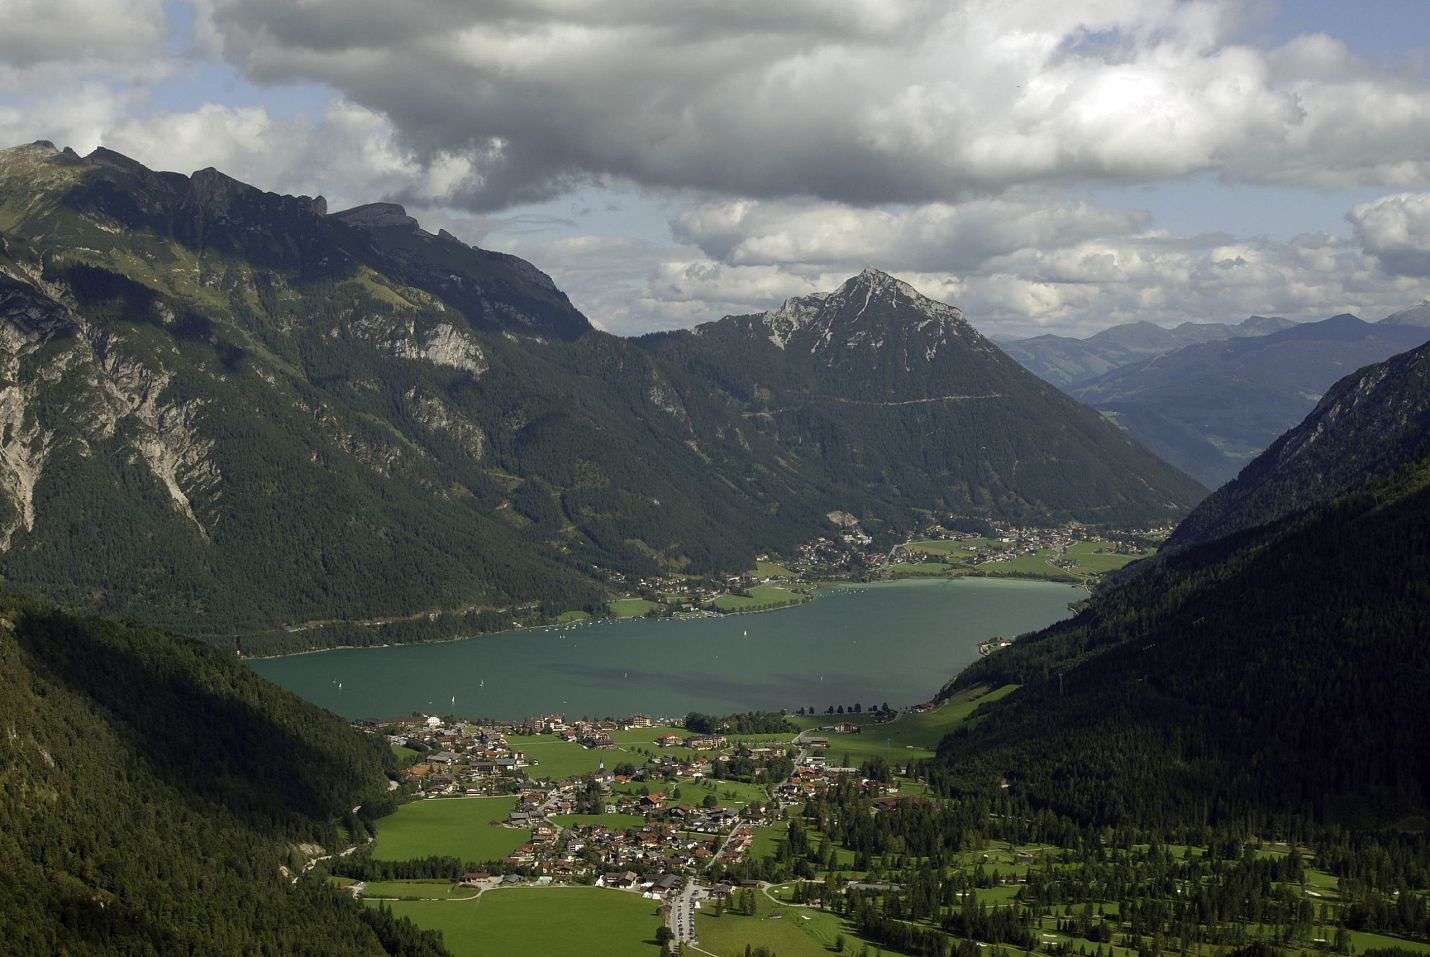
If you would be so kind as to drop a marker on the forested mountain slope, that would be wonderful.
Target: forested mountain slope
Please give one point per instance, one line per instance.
(1278, 671)
(152, 787)
(235, 414)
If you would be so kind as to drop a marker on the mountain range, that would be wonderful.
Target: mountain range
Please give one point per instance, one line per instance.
(1209, 408)
(1067, 362)
(237, 413)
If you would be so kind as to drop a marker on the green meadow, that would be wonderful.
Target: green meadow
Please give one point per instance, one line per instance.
(787, 930)
(549, 921)
(908, 737)
(772, 570)
(631, 607)
(416, 890)
(760, 596)
(450, 827)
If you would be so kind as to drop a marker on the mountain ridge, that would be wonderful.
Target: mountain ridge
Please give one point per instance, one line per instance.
(1210, 408)
(275, 401)
(1068, 362)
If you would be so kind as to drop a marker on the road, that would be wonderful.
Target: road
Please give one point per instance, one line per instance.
(680, 918)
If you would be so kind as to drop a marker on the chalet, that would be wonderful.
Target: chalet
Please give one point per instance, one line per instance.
(669, 739)
(706, 742)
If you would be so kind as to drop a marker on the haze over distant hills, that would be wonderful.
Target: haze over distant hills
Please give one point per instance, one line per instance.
(1210, 408)
(234, 412)
(1067, 362)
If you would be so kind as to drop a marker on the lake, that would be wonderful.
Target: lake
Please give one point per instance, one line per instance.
(896, 642)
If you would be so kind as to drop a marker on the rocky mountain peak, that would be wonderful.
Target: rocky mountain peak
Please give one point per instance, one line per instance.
(873, 297)
(1416, 315)
(377, 216)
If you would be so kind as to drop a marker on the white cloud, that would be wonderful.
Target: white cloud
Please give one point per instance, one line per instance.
(45, 41)
(795, 142)
(1023, 267)
(911, 101)
(1396, 231)
(350, 153)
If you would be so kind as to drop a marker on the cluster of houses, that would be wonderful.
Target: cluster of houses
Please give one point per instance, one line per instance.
(674, 839)
(471, 760)
(814, 774)
(1013, 542)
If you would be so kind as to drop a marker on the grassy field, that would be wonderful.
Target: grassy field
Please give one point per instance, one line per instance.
(924, 569)
(456, 827)
(788, 931)
(1034, 564)
(549, 921)
(1091, 561)
(772, 570)
(566, 617)
(1090, 558)
(909, 737)
(632, 737)
(1363, 941)
(761, 596)
(404, 756)
(561, 759)
(416, 890)
(728, 793)
(631, 607)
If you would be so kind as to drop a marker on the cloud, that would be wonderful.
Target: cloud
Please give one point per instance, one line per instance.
(1016, 266)
(48, 40)
(894, 101)
(1396, 231)
(933, 236)
(348, 152)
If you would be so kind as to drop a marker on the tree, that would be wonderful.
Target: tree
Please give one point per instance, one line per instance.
(839, 943)
(663, 936)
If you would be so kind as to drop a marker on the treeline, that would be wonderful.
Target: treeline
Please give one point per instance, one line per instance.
(746, 722)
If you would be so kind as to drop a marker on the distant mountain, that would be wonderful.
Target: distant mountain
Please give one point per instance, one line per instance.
(1278, 673)
(876, 384)
(156, 794)
(1417, 315)
(233, 413)
(1368, 423)
(1210, 408)
(1066, 362)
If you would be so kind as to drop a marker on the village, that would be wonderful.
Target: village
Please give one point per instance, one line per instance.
(663, 808)
(1072, 552)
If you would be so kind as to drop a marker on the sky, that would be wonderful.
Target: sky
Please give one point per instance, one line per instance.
(1046, 165)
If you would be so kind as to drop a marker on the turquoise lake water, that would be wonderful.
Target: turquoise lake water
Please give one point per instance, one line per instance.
(896, 642)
